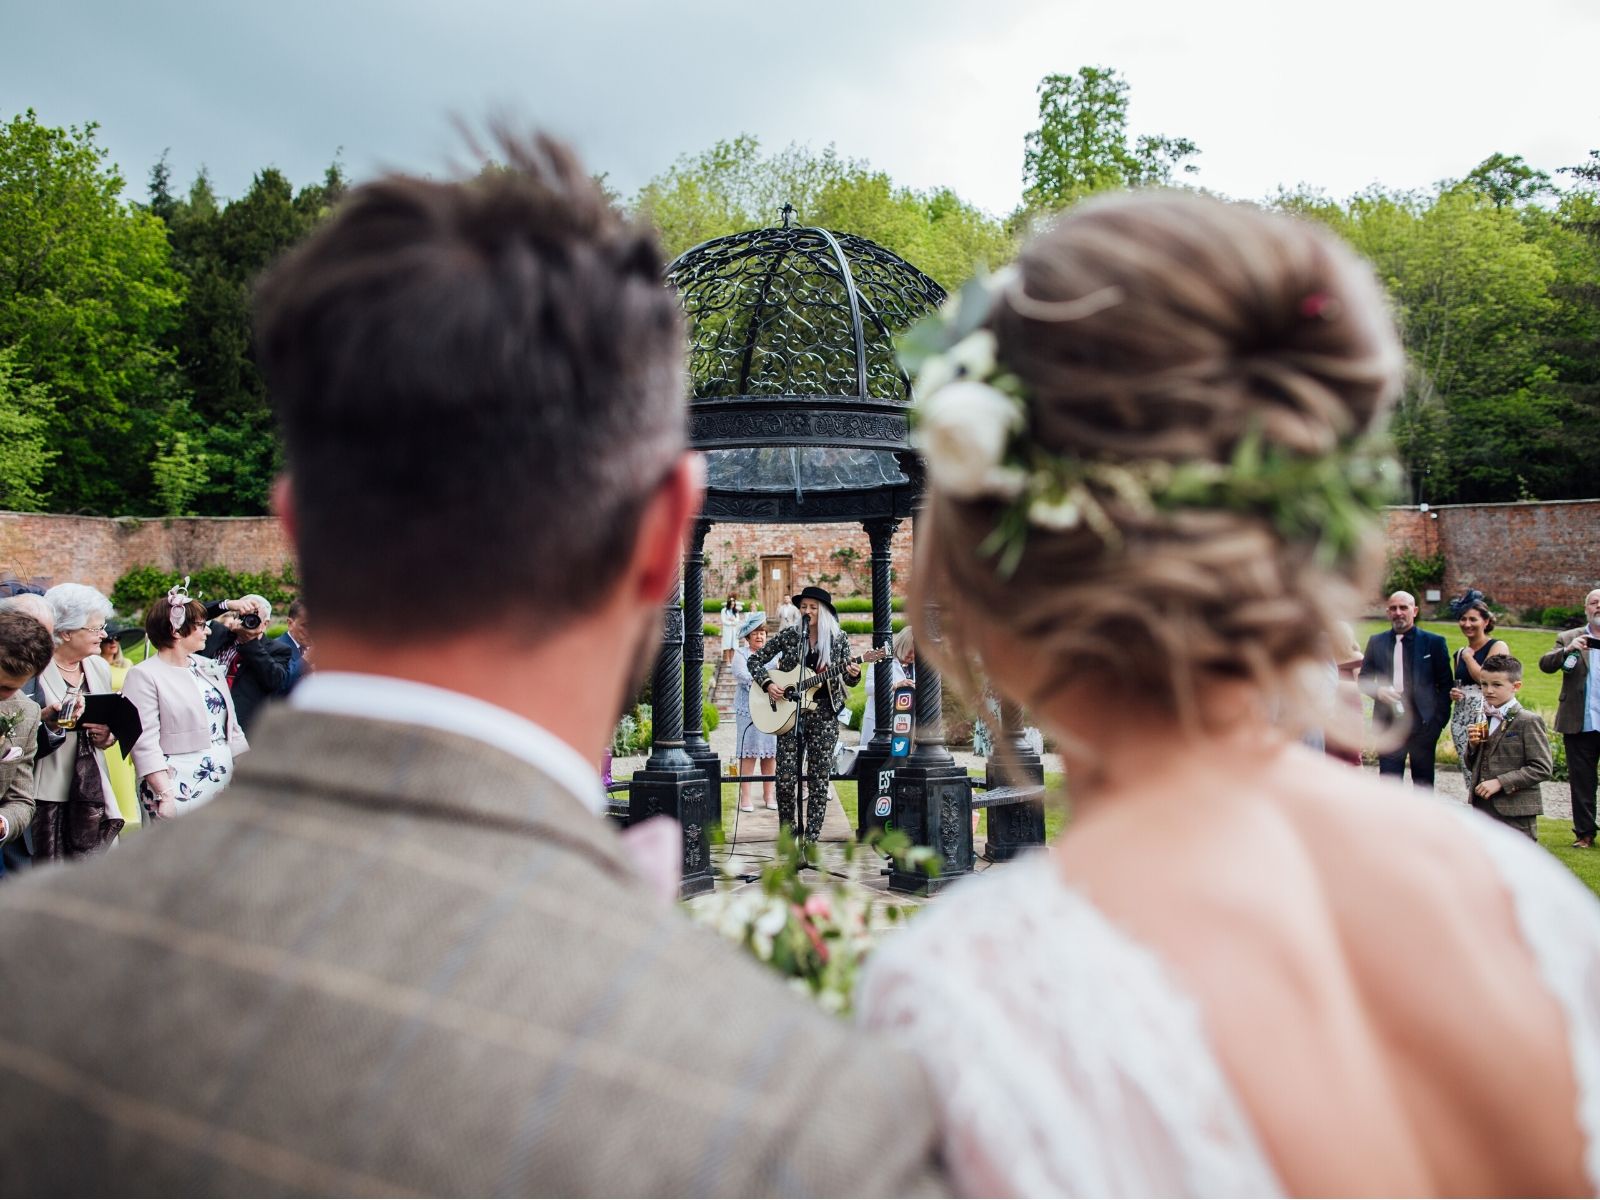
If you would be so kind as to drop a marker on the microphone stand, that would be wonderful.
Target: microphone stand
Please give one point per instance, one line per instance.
(802, 791)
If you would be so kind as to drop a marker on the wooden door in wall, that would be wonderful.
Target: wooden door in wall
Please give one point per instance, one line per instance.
(777, 583)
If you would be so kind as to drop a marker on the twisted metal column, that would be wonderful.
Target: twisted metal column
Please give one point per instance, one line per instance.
(872, 756)
(932, 793)
(670, 783)
(694, 657)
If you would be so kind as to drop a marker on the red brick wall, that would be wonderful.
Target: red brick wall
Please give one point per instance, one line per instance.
(1521, 555)
(729, 547)
(97, 550)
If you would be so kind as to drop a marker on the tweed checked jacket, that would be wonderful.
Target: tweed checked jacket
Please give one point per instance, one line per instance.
(1574, 683)
(16, 776)
(1518, 755)
(390, 960)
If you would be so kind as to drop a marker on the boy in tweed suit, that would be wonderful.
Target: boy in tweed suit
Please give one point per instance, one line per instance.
(404, 953)
(1512, 759)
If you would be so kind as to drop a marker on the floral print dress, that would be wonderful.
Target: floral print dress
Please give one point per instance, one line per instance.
(200, 774)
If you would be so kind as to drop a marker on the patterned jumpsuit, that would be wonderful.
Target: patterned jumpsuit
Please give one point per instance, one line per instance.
(819, 727)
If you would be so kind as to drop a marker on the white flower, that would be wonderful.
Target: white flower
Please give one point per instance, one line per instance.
(974, 354)
(1061, 513)
(973, 357)
(962, 431)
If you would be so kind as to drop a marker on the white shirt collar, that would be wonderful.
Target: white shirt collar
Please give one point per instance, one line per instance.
(407, 702)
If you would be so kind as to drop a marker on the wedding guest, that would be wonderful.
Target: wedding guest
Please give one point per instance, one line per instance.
(254, 668)
(1342, 736)
(1510, 752)
(1242, 969)
(77, 814)
(751, 747)
(190, 732)
(902, 669)
(730, 628)
(1466, 698)
(296, 639)
(25, 650)
(406, 953)
(788, 616)
(1577, 656)
(119, 767)
(1406, 670)
(32, 605)
(16, 854)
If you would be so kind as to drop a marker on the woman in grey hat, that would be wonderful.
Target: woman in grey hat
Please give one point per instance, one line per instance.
(751, 746)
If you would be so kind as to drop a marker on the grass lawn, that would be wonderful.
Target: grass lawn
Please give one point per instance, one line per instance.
(1556, 837)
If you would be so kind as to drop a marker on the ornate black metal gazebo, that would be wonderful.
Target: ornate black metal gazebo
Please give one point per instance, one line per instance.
(801, 408)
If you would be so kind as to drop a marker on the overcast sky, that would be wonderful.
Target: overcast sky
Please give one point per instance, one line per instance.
(935, 92)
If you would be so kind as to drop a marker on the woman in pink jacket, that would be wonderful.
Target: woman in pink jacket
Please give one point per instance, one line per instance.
(184, 756)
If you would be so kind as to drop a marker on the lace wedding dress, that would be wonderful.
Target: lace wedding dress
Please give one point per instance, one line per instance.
(1067, 1060)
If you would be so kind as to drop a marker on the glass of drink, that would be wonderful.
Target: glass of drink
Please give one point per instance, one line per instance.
(67, 717)
(1479, 731)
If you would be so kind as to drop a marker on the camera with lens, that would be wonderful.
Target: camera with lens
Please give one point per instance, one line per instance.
(249, 620)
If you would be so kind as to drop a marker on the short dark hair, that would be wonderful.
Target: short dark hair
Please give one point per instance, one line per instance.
(25, 646)
(158, 622)
(296, 609)
(1504, 664)
(480, 381)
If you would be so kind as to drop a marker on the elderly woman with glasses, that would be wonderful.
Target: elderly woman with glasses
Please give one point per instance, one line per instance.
(77, 813)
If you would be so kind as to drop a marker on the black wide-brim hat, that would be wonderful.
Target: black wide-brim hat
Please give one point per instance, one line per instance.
(817, 594)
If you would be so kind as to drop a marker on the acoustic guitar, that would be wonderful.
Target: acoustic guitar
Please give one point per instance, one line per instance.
(778, 716)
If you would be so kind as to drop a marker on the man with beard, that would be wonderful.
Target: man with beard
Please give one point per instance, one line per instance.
(408, 954)
(1406, 671)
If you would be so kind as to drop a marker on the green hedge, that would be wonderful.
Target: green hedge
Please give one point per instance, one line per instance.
(140, 587)
(849, 626)
(1557, 616)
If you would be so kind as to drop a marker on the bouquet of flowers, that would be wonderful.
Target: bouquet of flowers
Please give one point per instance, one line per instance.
(813, 926)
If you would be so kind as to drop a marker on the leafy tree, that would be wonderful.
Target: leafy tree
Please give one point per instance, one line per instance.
(86, 294)
(180, 474)
(733, 186)
(25, 456)
(1480, 418)
(1574, 347)
(221, 248)
(1507, 179)
(1081, 145)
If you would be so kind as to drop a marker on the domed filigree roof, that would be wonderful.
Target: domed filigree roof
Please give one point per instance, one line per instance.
(795, 391)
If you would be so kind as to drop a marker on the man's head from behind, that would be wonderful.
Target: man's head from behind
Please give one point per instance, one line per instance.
(31, 605)
(480, 384)
(25, 650)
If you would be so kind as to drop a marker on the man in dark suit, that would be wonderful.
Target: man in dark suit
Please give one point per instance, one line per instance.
(1577, 656)
(1407, 673)
(295, 639)
(406, 952)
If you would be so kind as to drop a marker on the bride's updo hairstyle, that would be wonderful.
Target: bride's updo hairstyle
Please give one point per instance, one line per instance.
(1166, 328)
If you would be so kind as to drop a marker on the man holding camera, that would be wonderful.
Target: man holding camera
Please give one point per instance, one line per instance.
(255, 667)
(1577, 657)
